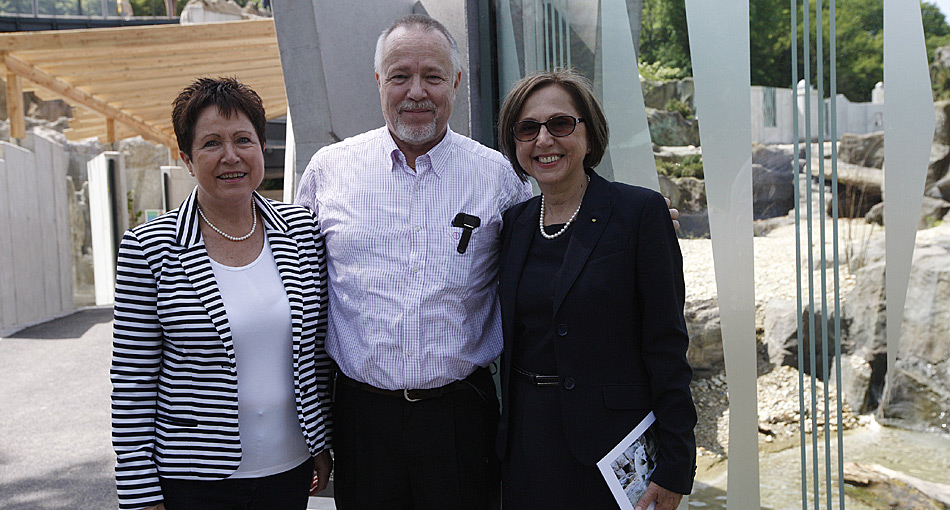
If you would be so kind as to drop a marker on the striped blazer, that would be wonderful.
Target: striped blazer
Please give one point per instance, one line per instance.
(174, 398)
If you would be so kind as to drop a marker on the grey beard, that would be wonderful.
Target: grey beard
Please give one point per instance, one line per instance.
(415, 134)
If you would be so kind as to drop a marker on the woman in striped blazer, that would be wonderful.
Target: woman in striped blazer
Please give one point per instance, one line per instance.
(220, 379)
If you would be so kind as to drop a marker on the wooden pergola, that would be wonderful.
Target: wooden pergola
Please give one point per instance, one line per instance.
(120, 82)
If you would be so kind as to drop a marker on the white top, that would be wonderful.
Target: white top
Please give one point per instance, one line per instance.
(406, 309)
(272, 440)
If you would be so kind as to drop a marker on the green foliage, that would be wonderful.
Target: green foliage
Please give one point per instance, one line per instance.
(860, 41)
(675, 105)
(153, 7)
(659, 72)
(135, 217)
(663, 34)
(691, 166)
(940, 81)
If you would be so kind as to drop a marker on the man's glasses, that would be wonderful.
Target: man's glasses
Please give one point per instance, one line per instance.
(527, 130)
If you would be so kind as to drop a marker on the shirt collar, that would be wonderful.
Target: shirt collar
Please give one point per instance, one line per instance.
(438, 155)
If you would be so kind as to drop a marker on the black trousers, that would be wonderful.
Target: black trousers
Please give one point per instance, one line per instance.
(289, 490)
(435, 454)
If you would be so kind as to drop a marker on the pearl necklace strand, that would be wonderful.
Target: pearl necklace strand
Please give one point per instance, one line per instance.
(229, 237)
(566, 225)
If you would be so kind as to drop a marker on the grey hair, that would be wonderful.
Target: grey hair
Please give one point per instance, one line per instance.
(420, 21)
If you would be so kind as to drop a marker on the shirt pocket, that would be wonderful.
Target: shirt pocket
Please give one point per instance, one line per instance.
(455, 268)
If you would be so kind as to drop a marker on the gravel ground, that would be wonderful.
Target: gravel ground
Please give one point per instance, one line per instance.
(778, 403)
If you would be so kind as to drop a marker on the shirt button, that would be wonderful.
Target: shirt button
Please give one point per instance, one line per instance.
(415, 270)
(562, 330)
(412, 311)
(418, 228)
(568, 383)
(410, 353)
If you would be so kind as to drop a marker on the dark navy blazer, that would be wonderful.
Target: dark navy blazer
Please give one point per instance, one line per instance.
(618, 314)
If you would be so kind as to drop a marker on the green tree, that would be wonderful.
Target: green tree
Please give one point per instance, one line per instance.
(663, 34)
(860, 41)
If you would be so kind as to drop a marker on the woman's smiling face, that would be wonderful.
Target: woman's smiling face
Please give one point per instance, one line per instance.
(552, 159)
(227, 158)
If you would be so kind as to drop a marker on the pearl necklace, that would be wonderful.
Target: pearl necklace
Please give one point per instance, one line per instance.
(229, 237)
(566, 225)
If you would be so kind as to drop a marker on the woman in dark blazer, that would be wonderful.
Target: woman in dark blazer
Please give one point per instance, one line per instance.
(591, 289)
(219, 373)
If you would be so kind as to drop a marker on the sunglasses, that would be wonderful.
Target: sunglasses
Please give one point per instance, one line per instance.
(527, 130)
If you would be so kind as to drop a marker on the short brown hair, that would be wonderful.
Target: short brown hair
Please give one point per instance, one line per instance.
(582, 94)
(227, 94)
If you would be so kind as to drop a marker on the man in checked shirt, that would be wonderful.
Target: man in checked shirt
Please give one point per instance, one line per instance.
(412, 215)
(414, 320)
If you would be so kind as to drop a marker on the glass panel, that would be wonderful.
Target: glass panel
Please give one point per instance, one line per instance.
(544, 34)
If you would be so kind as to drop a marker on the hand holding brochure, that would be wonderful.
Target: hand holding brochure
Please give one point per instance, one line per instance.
(628, 466)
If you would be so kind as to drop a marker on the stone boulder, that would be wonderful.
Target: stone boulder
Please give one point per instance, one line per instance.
(938, 166)
(781, 337)
(931, 210)
(919, 391)
(705, 335)
(940, 189)
(862, 149)
(657, 94)
(918, 396)
(47, 110)
(942, 129)
(772, 157)
(671, 128)
(688, 195)
(773, 193)
(862, 381)
(880, 487)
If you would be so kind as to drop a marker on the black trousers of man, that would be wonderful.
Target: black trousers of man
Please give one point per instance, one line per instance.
(433, 454)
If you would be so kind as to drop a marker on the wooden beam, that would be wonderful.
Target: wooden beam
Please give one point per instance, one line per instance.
(81, 63)
(109, 74)
(65, 89)
(15, 106)
(153, 87)
(110, 130)
(183, 49)
(154, 35)
(164, 99)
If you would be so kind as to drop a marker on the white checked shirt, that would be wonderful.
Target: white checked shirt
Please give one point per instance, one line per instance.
(406, 309)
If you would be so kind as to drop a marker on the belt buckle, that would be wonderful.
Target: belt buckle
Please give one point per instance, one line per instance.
(405, 393)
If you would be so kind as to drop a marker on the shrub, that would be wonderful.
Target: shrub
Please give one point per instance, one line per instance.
(691, 166)
(675, 105)
(656, 71)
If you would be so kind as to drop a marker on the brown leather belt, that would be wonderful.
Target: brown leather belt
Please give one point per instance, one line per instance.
(411, 395)
(537, 379)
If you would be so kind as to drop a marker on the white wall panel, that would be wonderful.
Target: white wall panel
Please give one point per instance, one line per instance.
(7, 287)
(26, 242)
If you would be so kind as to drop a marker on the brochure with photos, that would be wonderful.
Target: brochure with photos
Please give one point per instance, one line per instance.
(629, 465)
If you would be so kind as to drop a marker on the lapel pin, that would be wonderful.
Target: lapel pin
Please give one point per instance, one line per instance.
(593, 220)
